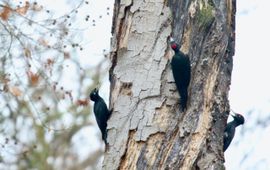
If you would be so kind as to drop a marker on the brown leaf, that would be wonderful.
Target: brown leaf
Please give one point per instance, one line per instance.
(5, 13)
(82, 102)
(34, 78)
(15, 91)
(50, 62)
(24, 9)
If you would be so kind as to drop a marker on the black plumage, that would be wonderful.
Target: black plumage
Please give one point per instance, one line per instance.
(229, 132)
(102, 113)
(181, 72)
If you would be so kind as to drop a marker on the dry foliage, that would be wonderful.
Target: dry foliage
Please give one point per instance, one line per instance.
(15, 91)
(5, 13)
(33, 78)
(24, 9)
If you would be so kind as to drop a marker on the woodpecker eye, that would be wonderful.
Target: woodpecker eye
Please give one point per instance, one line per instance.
(174, 46)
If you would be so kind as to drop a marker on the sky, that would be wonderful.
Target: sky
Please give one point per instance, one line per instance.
(250, 86)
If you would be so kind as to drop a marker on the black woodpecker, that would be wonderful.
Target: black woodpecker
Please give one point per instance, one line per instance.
(102, 113)
(230, 129)
(181, 72)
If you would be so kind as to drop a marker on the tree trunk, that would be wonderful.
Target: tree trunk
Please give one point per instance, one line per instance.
(146, 129)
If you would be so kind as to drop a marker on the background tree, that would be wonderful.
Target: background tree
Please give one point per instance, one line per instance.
(44, 87)
(146, 128)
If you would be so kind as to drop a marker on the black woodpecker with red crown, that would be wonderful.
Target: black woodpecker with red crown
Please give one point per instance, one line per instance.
(181, 68)
(229, 132)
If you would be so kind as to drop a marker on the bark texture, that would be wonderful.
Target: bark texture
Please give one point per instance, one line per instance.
(146, 129)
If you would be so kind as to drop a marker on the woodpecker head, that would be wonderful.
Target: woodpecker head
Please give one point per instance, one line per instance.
(94, 95)
(174, 45)
(238, 118)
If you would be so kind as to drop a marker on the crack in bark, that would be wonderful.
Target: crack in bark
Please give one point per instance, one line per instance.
(124, 158)
(205, 119)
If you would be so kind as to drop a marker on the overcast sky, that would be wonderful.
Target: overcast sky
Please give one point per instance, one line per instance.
(250, 86)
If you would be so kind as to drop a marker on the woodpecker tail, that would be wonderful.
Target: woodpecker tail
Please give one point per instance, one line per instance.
(183, 100)
(104, 136)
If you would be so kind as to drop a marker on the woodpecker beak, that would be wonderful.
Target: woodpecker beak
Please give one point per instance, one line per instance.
(233, 116)
(96, 89)
(171, 39)
(233, 113)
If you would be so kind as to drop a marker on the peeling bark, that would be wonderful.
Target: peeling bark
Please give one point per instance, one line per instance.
(146, 129)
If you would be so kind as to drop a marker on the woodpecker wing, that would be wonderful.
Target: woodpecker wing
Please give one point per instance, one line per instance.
(181, 72)
(102, 114)
(228, 135)
(181, 69)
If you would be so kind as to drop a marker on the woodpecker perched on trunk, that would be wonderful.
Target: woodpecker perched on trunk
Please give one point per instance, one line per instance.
(181, 72)
(102, 113)
(230, 129)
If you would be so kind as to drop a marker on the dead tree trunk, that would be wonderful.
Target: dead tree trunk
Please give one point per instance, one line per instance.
(146, 129)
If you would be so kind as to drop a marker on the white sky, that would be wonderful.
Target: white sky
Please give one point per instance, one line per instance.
(250, 85)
